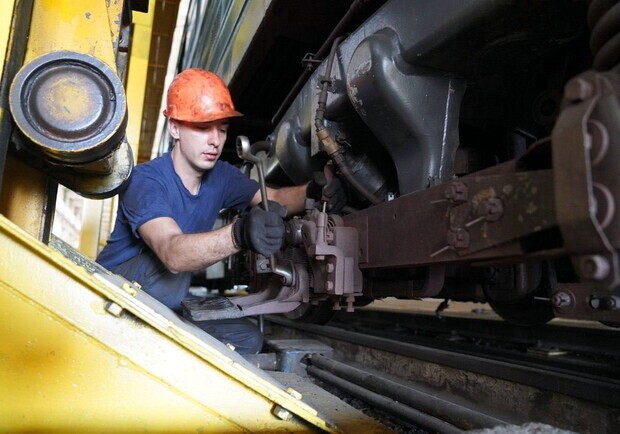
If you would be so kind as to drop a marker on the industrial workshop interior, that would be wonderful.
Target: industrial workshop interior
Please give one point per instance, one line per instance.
(350, 216)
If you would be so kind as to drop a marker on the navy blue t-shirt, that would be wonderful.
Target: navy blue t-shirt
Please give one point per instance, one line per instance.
(155, 190)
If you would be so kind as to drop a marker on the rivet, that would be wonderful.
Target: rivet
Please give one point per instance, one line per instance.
(113, 308)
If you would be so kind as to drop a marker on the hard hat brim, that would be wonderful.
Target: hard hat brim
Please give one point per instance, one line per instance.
(217, 117)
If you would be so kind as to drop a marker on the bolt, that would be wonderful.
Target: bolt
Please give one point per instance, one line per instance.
(577, 90)
(129, 289)
(561, 300)
(262, 266)
(113, 308)
(456, 192)
(329, 285)
(492, 209)
(604, 303)
(595, 267)
(458, 238)
(282, 413)
(295, 394)
(330, 267)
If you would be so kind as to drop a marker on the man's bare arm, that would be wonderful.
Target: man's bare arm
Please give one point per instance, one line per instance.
(293, 198)
(186, 252)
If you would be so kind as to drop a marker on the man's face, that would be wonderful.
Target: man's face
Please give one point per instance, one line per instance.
(200, 144)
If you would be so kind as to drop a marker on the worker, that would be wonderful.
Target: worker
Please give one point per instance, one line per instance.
(166, 212)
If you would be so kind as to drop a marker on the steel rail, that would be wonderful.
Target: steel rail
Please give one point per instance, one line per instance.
(579, 339)
(388, 405)
(455, 414)
(496, 350)
(572, 383)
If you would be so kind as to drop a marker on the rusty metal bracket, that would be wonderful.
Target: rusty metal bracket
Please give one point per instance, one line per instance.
(585, 157)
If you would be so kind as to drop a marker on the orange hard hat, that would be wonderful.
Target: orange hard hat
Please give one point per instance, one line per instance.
(196, 95)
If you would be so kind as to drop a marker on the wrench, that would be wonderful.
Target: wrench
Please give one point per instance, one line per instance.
(244, 152)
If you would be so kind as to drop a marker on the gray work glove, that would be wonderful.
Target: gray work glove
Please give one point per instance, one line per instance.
(259, 230)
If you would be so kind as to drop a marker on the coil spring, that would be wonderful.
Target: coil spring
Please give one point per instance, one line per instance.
(604, 22)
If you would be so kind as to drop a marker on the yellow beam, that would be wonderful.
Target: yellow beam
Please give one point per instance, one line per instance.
(91, 224)
(6, 14)
(82, 26)
(137, 73)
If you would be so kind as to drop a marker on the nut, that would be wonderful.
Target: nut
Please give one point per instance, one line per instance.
(492, 209)
(282, 413)
(604, 303)
(458, 238)
(456, 192)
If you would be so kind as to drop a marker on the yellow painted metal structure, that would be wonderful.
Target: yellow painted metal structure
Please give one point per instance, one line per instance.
(137, 74)
(6, 13)
(90, 27)
(85, 350)
(83, 26)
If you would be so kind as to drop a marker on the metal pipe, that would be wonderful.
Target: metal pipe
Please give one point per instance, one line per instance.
(440, 408)
(356, 7)
(332, 147)
(396, 408)
(322, 102)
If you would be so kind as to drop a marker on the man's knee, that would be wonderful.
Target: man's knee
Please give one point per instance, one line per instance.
(242, 333)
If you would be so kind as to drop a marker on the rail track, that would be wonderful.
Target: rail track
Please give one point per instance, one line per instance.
(456, 373)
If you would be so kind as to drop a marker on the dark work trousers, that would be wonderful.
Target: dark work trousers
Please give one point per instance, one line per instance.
(170, 289)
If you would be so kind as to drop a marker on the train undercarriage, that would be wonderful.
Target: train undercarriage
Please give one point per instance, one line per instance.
(477, 143)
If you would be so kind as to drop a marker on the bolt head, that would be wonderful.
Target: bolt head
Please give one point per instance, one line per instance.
(282, 413)
(113, 308)
(561, 299)
(492, 209)
(456, 191)
(330, 267)
(458, 238)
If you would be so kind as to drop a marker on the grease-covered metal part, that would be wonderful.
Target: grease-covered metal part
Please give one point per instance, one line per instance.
(71, 106)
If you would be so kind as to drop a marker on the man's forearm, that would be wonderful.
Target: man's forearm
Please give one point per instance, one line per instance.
(294, 198)
(191, 252)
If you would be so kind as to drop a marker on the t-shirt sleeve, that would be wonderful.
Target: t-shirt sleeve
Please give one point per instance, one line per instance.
(144, 199)
(238, 188)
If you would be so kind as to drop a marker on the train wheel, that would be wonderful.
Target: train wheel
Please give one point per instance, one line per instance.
(314, 314)
(520, 293)
(528, 312)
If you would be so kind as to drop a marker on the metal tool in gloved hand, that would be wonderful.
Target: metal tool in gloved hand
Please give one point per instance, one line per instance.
(251, 235)
(244, 152)
(259, 230)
